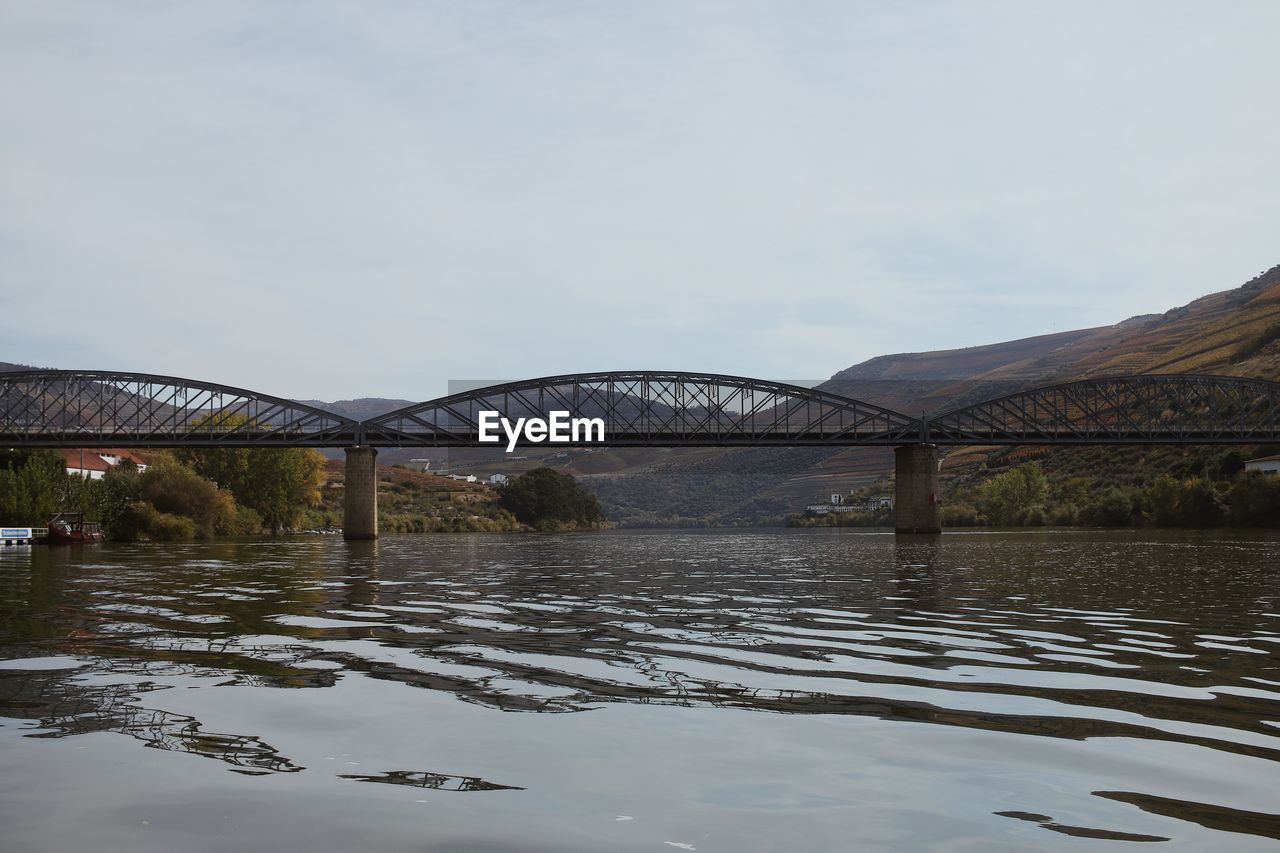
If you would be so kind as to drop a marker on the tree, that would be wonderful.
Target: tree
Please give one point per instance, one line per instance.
(32, 488)
(1191, 502)
(173, 488)
(1230, 464)
(1161, 499)
(1113, 508)
(115, 503)
(1254, 499)
(1200, 504)
(547, 499)
(1075, 490)
(1007, 497)
(276, 483)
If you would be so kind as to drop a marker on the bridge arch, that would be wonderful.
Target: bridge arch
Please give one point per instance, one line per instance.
(77, 408)
(655, 409)
(1143, 409)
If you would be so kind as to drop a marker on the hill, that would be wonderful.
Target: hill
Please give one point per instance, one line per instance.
(1204, 336)
(1224, 333)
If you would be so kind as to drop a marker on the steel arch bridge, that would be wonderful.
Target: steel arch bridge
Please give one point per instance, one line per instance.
(62, 408)
(652, 409)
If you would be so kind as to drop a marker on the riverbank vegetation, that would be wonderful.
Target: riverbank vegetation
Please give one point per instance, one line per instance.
(196, 495)
(416, 502)
(548, 500)
(1110, 487)
(420, 502)
(1177, 487)
(211, 492)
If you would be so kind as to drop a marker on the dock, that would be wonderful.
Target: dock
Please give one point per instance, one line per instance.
(22, 535)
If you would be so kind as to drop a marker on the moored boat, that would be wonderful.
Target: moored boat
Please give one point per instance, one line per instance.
(70, 528)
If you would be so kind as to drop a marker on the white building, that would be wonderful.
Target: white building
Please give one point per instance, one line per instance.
(94, 464)
(1267, 465)
(497, 479)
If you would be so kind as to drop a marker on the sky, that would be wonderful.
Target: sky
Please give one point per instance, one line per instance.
(329, 200)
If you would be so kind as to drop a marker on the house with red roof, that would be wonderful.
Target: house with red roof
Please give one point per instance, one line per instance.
(92, 464)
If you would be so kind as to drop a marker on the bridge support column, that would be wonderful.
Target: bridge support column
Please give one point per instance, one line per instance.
(360, 501)
(916, 506)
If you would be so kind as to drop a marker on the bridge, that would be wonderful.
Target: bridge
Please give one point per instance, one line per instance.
(67, 408)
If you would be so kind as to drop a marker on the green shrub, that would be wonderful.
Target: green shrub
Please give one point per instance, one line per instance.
(1033, 517)
(174, 488)
(1254, 499)
(248, 522)
(1192, 502)
(1113, 508)
(1064, 515)
(959, 515)
(166, 527)
(546, 499)
(1006, 497)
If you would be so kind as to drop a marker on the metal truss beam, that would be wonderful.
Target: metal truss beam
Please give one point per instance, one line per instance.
(94, 408)
(67, 408)
(1145, 409)
(655, 409)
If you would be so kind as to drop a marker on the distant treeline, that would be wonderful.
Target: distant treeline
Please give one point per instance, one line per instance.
(1152, 487)
(1022, 497)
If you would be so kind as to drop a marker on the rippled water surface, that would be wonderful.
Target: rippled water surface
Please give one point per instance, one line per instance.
(788, 690)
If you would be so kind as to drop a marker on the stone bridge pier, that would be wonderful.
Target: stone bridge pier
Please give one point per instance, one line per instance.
(360, 501)
(916, 504)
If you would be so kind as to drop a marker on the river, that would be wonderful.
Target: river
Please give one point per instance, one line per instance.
(797, 690)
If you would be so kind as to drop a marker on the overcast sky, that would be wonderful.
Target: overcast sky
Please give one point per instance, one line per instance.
(347, 199)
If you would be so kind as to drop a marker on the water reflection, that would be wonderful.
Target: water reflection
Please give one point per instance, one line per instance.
(64, 708)
(1046, 822)
(435, 781)
(1054, 636)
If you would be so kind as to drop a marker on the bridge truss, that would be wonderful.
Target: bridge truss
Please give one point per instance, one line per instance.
(61, 408)
(1145, 409)
(79, 408)
(654, 409)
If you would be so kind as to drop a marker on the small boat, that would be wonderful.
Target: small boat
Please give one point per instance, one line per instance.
(70, 528)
